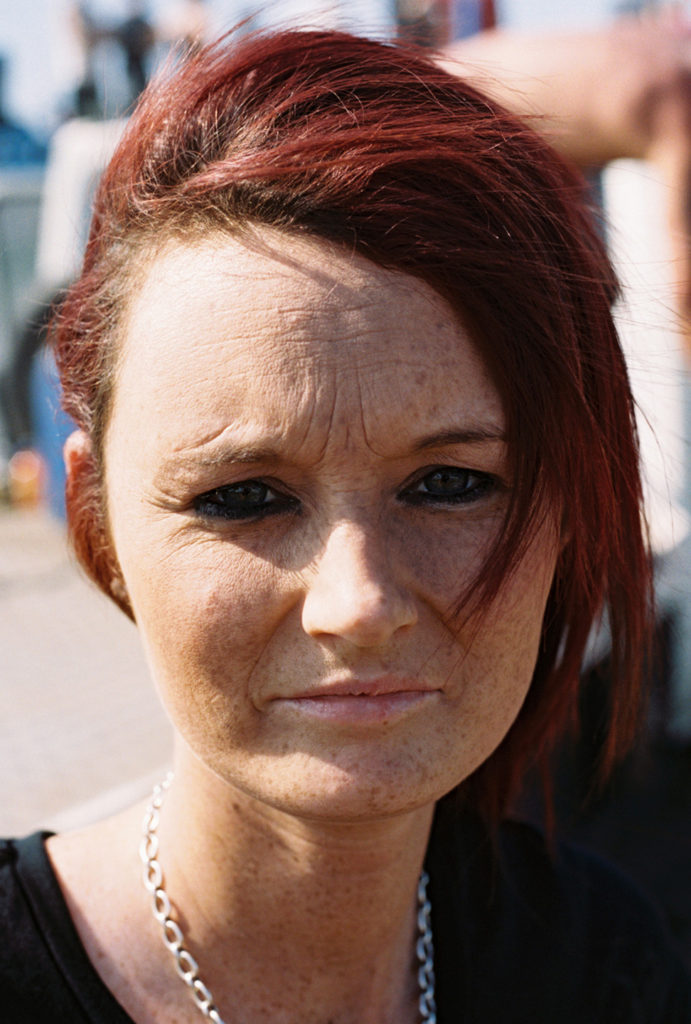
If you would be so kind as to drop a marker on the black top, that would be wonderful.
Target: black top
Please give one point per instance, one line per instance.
(520, 938)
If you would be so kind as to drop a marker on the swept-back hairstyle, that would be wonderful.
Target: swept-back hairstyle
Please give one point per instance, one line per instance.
(376, 149)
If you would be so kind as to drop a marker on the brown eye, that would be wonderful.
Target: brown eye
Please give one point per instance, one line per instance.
(448, 482)
(249, 499)
(450, 485)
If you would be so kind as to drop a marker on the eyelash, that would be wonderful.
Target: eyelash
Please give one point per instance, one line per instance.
(215, 504)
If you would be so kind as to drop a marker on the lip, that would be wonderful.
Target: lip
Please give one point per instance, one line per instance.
(357, 701)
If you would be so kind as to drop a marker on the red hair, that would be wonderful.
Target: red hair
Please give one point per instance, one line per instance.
(375, 148)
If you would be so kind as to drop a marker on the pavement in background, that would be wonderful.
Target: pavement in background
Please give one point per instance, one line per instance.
(81, 730)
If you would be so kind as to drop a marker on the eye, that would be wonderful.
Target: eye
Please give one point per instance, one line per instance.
(450, 485)
(248, 499)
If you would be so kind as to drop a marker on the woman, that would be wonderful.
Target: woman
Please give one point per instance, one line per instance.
(356, 452)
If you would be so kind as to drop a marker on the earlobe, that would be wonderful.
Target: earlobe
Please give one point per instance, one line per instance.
(78, 455)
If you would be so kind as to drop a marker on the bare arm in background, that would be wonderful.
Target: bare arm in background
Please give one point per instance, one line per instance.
(623, 91)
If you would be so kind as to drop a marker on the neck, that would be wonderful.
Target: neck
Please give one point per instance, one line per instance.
(334, 903)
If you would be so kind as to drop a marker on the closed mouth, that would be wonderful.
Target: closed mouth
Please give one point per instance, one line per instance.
(355, 702)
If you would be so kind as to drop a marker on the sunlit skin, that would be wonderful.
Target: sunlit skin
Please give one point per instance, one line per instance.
(305, 465)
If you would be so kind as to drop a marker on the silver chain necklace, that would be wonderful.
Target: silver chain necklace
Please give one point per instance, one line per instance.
(187, 966)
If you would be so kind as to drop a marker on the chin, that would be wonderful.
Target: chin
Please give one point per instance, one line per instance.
(343, 789)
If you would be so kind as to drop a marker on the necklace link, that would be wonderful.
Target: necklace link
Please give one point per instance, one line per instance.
(173, 939)
(187, 966)
(425, 953)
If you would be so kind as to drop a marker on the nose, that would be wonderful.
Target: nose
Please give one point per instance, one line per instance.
(353, 593)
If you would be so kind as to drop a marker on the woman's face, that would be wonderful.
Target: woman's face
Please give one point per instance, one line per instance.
(304, 467)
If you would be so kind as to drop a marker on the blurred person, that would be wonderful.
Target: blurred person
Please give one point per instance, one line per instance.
(623, 91)
(356, 451)
(83, 27)
(77, 154)
(136, 37)
(133, 35)
(18, 146)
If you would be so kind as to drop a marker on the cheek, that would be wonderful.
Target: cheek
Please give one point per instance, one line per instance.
(442, 559)
(500, 648)
(205, 629)
(205, 614)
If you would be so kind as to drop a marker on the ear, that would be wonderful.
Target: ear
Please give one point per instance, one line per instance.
(85, 517)
(78, 455)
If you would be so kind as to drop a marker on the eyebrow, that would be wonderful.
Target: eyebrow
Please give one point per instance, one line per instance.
(478, 435)
(248, 454)
(183, 460)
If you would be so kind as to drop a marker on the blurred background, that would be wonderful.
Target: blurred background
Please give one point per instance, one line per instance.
(81, 733)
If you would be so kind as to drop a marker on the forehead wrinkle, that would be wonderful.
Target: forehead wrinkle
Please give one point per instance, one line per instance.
(350, 323)
(332, 414)
(312, 419)
(329, 404)
(363, 423)
(248, 440)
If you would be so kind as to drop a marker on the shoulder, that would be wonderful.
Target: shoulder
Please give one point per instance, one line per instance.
(22, 877)
(45, 975)
(27, 969)
(597, 919)
(592, 903)
(562, 934)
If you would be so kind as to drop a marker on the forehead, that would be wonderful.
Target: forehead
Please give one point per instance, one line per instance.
(266, 319)
(263, 283)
